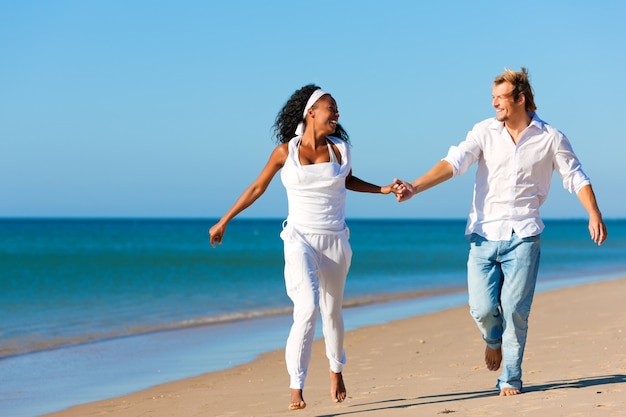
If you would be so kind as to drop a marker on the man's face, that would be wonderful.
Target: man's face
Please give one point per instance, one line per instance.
(504, 104)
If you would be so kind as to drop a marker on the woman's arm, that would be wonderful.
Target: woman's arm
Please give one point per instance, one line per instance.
(356, 184)
(252, 193)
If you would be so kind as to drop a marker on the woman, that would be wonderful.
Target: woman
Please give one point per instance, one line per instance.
(314, 156)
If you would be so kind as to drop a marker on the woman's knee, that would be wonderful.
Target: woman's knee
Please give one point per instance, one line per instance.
(305, 311)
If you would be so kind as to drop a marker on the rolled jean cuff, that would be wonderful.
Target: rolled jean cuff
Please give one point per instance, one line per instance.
(494, 346)
(502, 385)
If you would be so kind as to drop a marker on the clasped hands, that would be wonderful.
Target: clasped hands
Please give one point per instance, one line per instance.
(402, 189)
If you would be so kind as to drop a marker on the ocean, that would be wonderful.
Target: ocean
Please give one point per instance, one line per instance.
(95, 308)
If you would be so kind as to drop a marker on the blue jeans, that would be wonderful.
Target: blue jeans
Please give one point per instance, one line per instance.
(501, 277)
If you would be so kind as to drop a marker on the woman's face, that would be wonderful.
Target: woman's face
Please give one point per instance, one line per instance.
(325, 115)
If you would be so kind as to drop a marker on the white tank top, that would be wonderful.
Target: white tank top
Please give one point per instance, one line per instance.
(316, 193)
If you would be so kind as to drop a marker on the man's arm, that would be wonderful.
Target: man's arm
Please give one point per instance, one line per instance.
(597, 228)
(441, 172)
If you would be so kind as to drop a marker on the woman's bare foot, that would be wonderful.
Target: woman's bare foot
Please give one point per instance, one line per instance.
(297, 401)
(507, 392)
(493, 358)
(337, 388)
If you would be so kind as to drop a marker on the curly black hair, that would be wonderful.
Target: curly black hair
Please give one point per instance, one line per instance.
(291, 114)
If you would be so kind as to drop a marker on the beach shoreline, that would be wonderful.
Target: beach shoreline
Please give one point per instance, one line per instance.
(424, 365)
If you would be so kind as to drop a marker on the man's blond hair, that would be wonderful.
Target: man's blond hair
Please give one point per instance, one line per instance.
(521, 85)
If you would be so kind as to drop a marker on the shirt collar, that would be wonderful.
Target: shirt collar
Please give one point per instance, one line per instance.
(535, 121)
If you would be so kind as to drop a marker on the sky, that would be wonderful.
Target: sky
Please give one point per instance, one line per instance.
(164, 109)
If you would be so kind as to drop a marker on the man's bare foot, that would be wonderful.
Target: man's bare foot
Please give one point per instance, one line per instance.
(337, 387)
(297, 401)
(507, 392)
(493, 358)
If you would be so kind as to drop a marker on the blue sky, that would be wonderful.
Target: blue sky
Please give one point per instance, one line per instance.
(164, 108)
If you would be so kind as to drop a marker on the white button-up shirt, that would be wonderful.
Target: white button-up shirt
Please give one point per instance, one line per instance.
(513, 180)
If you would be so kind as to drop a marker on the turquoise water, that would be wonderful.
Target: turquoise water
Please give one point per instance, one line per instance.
(99, 294)
(68, 282)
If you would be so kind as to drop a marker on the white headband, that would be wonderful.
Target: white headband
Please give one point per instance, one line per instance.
(314, 97)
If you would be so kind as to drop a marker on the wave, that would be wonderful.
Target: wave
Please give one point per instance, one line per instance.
(22, 346)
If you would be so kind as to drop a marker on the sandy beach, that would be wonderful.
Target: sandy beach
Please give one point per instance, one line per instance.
(575, 365)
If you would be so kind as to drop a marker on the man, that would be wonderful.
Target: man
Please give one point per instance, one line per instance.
(516, 153)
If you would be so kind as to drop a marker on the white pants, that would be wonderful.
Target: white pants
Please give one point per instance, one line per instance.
(316, 266)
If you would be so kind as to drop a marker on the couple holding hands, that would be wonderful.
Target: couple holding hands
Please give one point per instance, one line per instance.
(516, 153)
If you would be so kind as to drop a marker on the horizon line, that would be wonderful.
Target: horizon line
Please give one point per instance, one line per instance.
(194, 218)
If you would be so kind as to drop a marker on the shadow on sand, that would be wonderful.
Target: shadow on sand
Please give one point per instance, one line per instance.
(400, 403)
